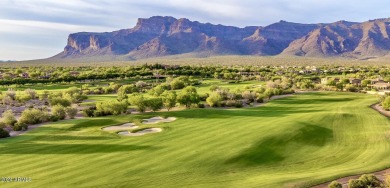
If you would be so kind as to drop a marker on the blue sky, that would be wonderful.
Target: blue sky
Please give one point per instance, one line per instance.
(32, 29)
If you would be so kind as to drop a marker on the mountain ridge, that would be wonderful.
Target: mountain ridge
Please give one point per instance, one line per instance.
(160, 36)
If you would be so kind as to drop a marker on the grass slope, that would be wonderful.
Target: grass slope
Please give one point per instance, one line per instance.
(296, 141)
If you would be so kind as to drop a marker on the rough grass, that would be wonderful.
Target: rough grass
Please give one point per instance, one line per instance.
(297, 141)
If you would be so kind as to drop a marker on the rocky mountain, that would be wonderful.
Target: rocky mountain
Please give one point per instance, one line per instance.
(367, 39)
(161, 36)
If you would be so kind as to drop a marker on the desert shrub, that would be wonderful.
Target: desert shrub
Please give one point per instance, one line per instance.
(238, 105)
(248, 95)
(58, 111)
(214, 88)
(353, 183)
(31, 92)
(20, 126)
(11, 94)
(33, 116)
(141, 84)
(22, 97)
(2, 125)
(71, 112)
(231, 103)
(386, 182)
(4, 133)
(7, 100)
(214, 99)
(386, 103)
(335, 184)
(8, 118)
(89, 112)
(201, 105)
(60, 101)
(203, 97)
(351, 88)
(110, 108)
(53, 118)
(370, 180)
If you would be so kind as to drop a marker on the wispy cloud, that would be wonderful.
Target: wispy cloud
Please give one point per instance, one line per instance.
(45, 24)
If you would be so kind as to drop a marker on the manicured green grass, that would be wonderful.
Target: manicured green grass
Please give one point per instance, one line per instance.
(206, 84)
(297, 141)
(93, 99)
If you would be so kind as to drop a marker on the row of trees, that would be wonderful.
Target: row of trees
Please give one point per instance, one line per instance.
(69, 74)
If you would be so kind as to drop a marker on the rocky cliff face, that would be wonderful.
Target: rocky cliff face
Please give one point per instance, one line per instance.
(160, 36)
(368, 39)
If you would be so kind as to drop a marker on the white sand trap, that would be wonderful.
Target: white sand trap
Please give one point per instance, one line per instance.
(126, 126)
(158, 119)
(140, 133)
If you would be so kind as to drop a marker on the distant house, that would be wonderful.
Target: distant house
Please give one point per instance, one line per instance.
(74, 73)
(380, 85)
(324, 81)
(355, 81)
(25, 75)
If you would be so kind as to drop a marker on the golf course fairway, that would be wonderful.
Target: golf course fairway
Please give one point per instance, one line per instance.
(296, 141)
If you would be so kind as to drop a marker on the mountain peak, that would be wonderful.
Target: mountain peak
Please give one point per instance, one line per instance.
(166, 35)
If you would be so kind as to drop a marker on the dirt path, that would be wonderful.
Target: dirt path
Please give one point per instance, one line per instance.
(379, 108)
(30, 127)
(344, 181)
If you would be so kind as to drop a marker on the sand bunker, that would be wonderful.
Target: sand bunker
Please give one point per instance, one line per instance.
(155, 120)
(140, 133)
(126, 126)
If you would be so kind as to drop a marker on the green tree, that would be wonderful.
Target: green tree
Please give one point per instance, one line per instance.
(138, 100)
(158, 90)
(169, 99)
(177, 84)
(155, 104)
(188, 96)
(124, 90)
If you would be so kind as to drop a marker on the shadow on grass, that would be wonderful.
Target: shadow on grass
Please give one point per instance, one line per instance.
(264, 111)
(61, 138)
(36, 148)
(99, 122)
(277, 148)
